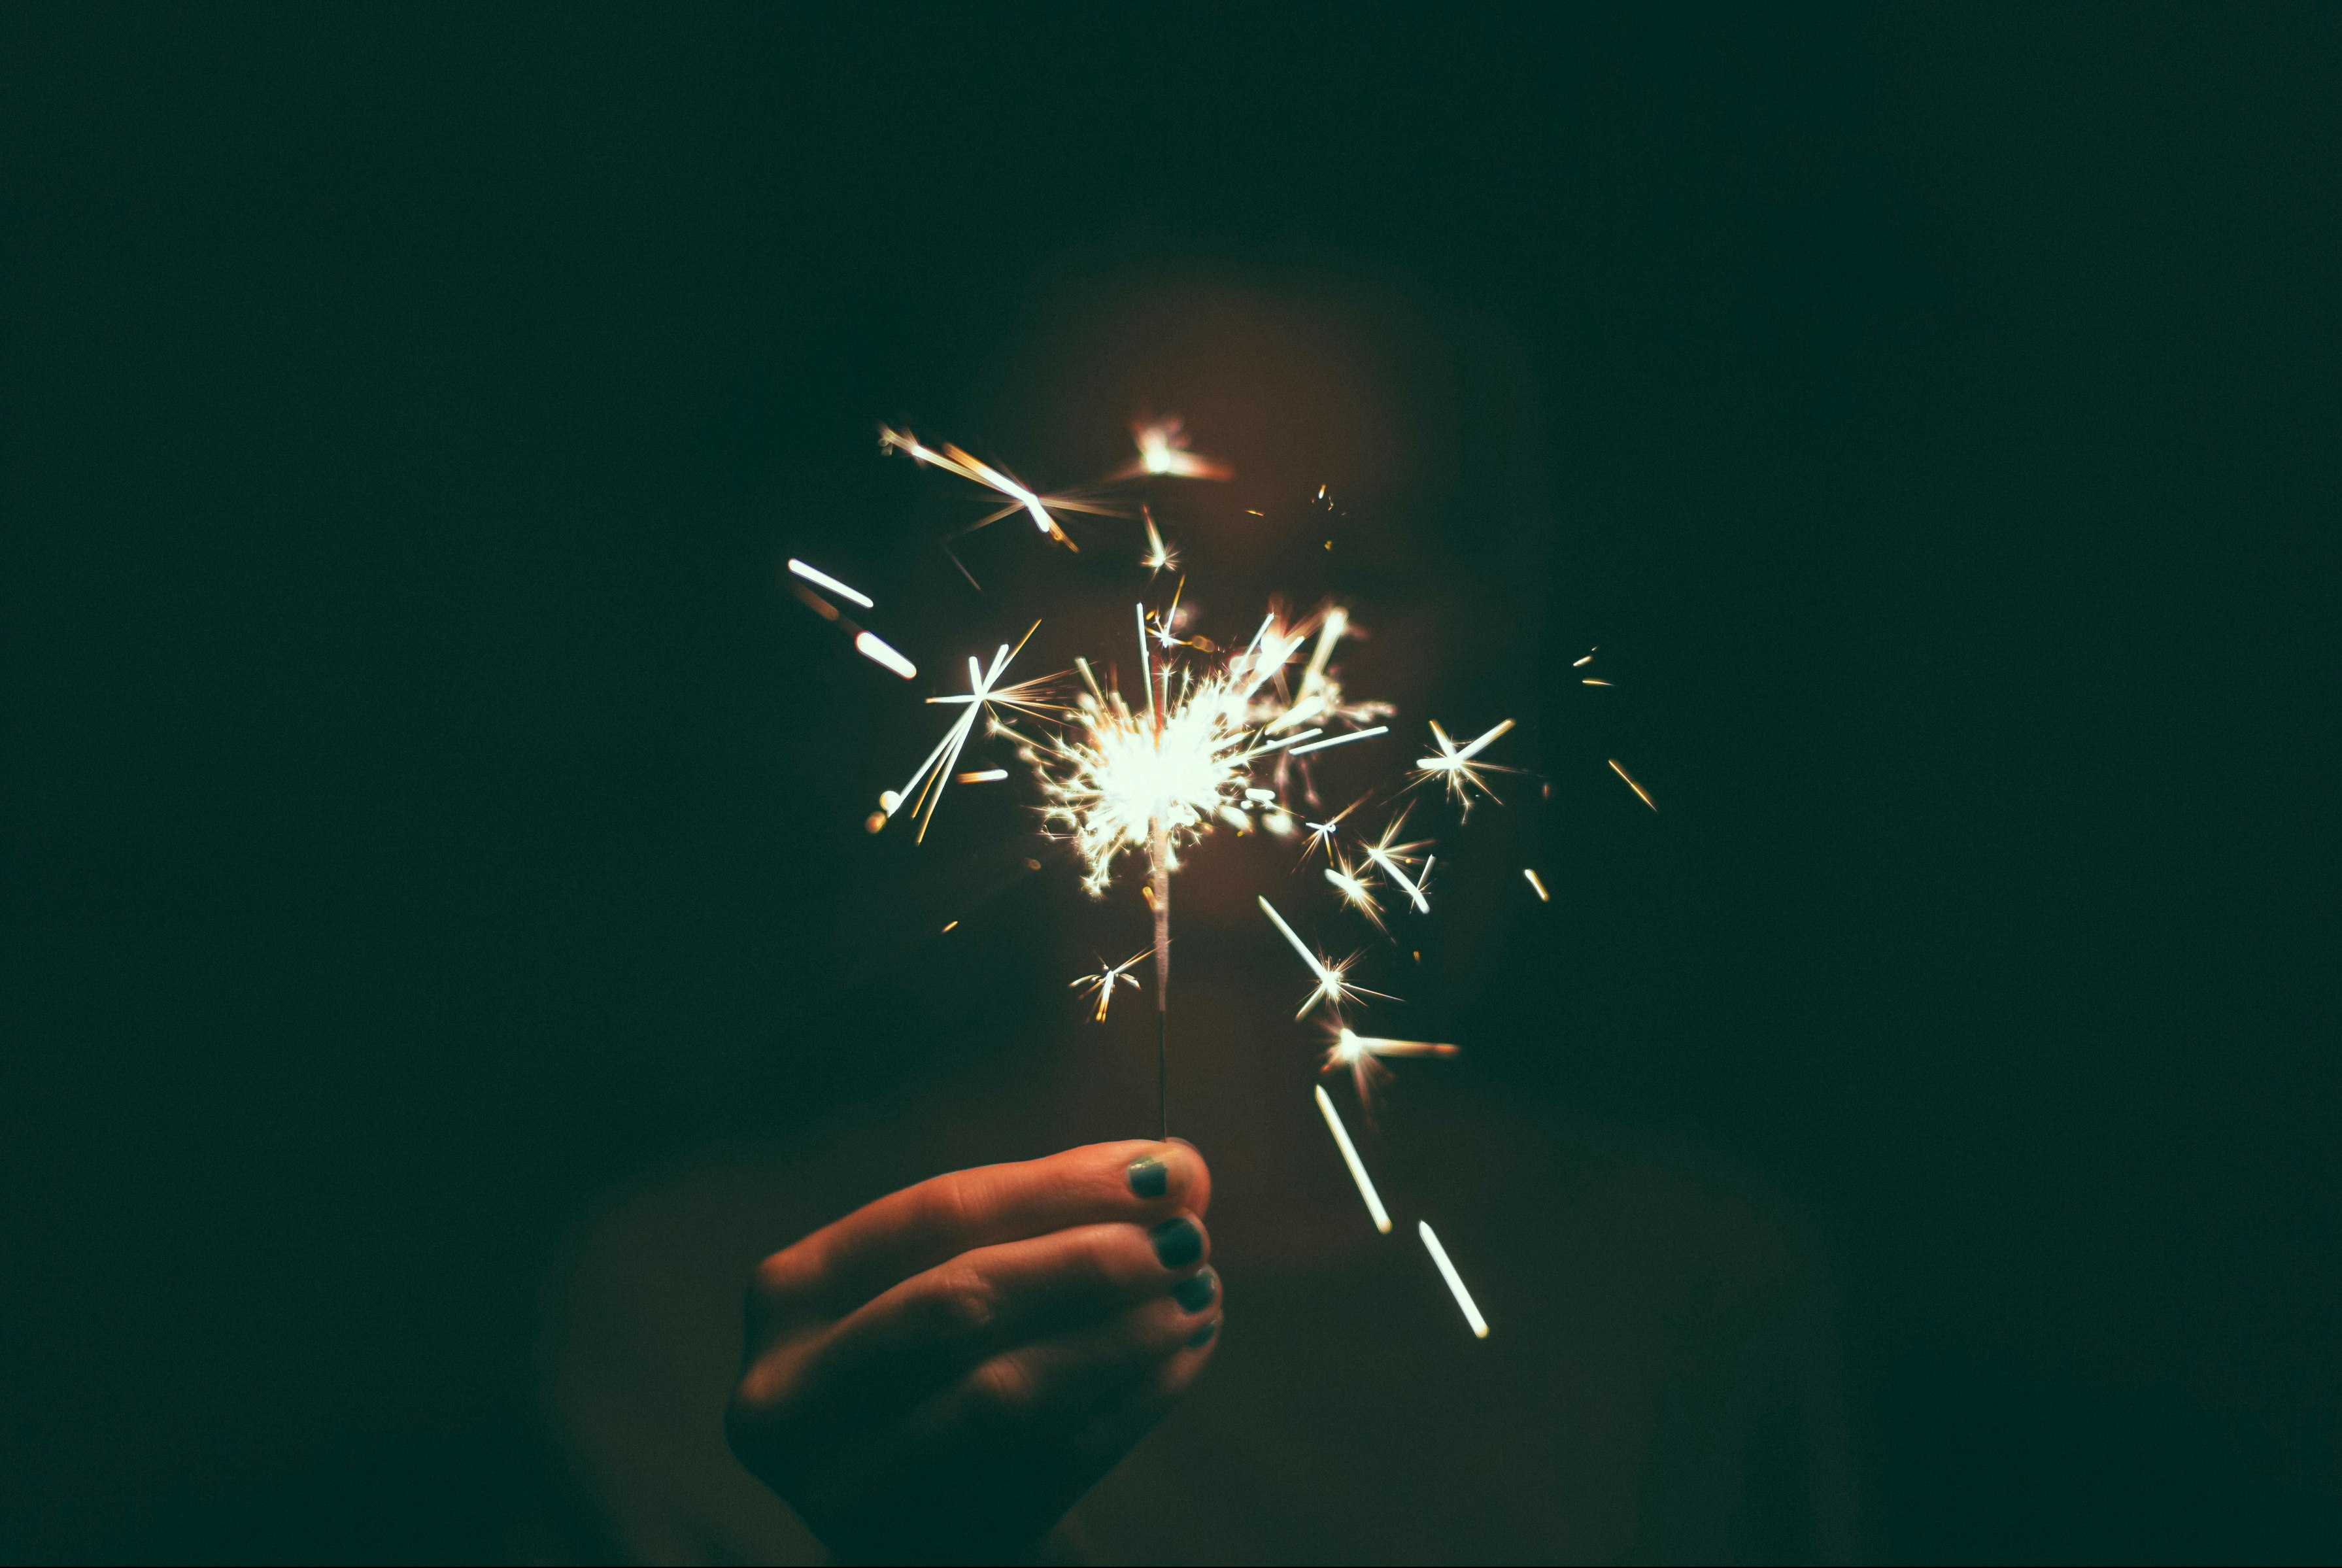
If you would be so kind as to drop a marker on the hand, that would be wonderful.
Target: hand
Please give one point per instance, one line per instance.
(941, 1372)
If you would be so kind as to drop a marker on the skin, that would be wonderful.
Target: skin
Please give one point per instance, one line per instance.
(941, 1372)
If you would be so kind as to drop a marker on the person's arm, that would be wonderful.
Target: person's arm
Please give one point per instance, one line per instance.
(942, 1374)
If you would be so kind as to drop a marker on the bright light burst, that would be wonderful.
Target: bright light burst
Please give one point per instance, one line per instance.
(1393, 858)
(1456, 766)
(1158, 555)
(1361, 1054)
(1356, 891)
(1163, 449)
(1334, 987)
(951, 460)
(1122, 773)
(1109, 976)
(984, 694)
(1321, 834)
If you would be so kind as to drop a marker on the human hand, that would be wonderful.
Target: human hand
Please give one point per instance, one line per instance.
(941, 1372)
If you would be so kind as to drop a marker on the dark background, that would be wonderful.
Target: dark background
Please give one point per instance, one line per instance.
(404, 415)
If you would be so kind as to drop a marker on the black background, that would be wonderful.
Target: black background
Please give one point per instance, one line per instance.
(405, 413)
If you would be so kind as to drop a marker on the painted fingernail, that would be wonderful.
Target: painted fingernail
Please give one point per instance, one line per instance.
(1195, 1292)
(1149, 1178)
(1203, 1336)
(1177, 1242)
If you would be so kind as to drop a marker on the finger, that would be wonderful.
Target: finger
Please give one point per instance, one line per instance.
(1012, 1445)
(1116, 1427)
(1059, 1387)
(892, 1353)
(844, 1264)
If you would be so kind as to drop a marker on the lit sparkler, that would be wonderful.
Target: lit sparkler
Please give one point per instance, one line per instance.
(1205, 737)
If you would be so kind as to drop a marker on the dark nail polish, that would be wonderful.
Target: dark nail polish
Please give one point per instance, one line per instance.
(1195, 1292)
(1177, 1242)
(1149, 1178)
(1203, 1336)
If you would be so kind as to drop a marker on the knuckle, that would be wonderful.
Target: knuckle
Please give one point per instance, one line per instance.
(964, 1304)
(1006, 1385)
(779, 1279)
(946, 1206)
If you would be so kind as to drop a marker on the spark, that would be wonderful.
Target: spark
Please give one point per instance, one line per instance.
(1358, 893)
(984, 693)
(1532, 875)
(1456, 766)
(1374, 1209)
(1180, 757)
(1102, 983)
(1361, 1054)
(1590, 681)
(984, 776)
(873, 647)
(1158, 555)
(947, 930)
(1020, 498)
(1643, 793)
(1455, 1281)
(1334, 987)
(1342, 739)
(1392, 859)
(1321, 834)
(816, 575)
(1163, 449)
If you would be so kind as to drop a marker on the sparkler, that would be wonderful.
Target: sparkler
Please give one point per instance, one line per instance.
(1154, 779)
(1205, 737)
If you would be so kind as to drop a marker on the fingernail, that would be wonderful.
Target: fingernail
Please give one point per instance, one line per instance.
(1149, 1178)
(1177, 1242)
(1195, 1292)
(1203, 1336)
